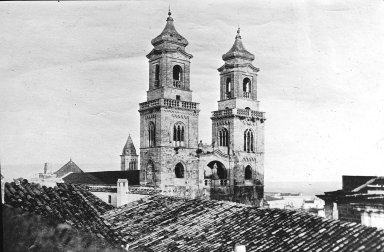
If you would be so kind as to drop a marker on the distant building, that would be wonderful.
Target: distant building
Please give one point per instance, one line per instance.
(46, 178)
(69, 167)
(294, 201)
(113, 187)
(361, 200)
(129, 157)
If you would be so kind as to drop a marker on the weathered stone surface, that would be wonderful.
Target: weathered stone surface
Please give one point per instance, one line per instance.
(173, 161)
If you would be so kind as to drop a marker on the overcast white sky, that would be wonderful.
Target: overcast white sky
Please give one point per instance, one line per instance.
(72, 75)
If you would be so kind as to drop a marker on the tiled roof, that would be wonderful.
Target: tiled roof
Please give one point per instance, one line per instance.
(67, 168)
(343, 197)
(23, 231)
(103, 178)
(368, 191)
(161, 223)
(376, 183)
(351, 182)
(66, 203)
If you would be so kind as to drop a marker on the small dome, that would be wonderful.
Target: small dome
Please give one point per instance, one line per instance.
(169, 34)
(238, 50)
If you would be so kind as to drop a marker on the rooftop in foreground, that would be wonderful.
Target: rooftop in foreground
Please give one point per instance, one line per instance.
(161, 223)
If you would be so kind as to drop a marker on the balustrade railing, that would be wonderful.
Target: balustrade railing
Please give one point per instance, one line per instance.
(221, 182)
(178, 143)
(169, 103)
(177, 83)
(245, 112)
(246, 94)
(241, 112)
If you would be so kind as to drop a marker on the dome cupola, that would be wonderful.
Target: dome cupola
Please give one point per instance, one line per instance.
(169, 34)
(238, 50)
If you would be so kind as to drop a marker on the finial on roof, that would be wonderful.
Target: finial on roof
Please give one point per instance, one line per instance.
(70, 159)
(169, 14)
(238, 32)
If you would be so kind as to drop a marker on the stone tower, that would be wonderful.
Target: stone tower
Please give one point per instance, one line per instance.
(169, 118)
(129, 158)
(238, 125)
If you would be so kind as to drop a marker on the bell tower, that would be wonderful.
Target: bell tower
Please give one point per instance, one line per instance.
(129, 158)
(238, 125)
(169, 118)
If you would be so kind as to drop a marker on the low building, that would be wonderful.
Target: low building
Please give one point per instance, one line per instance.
(361, 200)
(47, 177)
(113, 187)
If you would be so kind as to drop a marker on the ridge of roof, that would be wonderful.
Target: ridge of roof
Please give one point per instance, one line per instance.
(70, 166)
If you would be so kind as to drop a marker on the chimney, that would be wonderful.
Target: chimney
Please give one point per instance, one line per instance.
(45, 168)
(122, 192)
(240, 248)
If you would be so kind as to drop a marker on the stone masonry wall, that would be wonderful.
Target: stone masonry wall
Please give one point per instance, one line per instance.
(347, 213)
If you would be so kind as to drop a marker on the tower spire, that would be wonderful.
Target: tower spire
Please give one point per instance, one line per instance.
(169, 13)
(238, 32)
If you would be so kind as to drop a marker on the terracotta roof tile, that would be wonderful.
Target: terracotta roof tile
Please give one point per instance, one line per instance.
(193, 225)
(66, 203)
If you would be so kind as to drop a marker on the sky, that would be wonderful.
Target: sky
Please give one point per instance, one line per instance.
(73, 73)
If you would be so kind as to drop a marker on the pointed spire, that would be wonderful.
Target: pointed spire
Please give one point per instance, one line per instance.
(238, 33)
(169, 14)
(129, 147)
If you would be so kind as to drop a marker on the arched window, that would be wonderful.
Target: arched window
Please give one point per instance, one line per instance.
(228, 93)
(223, 137)
(177, 76)
(248, 173)
(157, 75)
(178, 134)
(179, 170)
(247, 88)
(248, 140)
(215, 170)
(151, 134)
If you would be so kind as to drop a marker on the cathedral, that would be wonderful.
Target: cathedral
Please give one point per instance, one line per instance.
(171, 156)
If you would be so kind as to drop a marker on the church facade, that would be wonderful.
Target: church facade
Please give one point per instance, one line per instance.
(171, 157)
